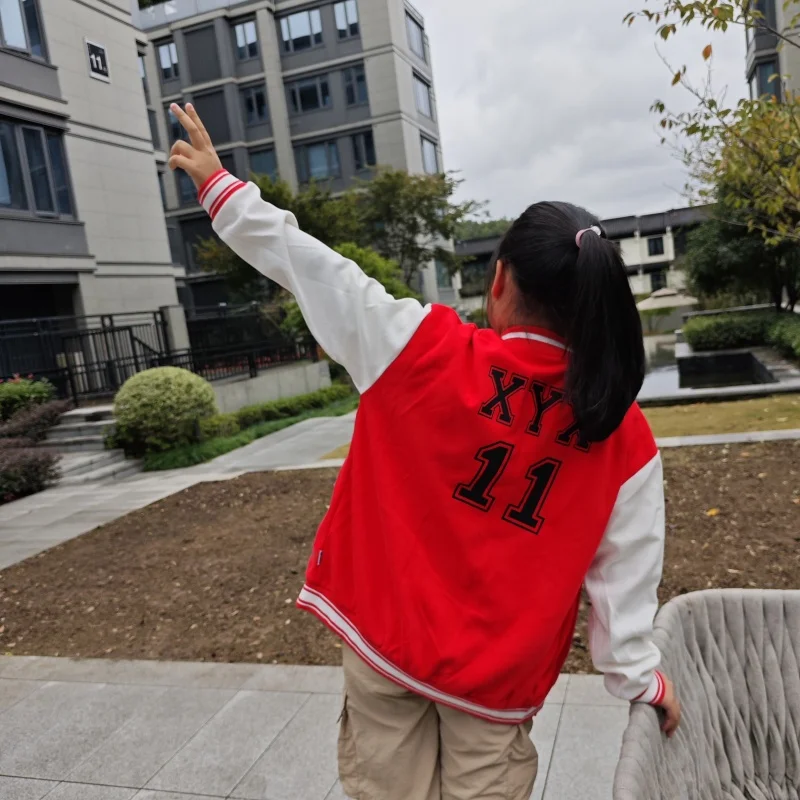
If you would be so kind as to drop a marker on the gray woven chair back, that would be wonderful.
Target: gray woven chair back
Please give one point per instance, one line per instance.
(735, 658)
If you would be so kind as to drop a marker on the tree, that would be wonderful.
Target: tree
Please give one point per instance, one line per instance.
(410, 219)
(482, 228)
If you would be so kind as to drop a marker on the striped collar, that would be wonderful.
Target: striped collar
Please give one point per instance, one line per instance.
(535, 335)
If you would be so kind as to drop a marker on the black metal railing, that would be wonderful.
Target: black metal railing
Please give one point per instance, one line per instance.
(230, 327)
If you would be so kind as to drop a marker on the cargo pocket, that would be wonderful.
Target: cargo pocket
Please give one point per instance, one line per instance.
(348, 760)
(523, 764)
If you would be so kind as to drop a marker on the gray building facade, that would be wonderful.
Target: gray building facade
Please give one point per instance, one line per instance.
(325, 90)
(773, 68)
(82, 230)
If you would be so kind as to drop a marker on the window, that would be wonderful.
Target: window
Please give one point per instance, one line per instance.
(168, 59)
(254, 99)
(302, 31)
(430, 158)
(767, 80)
(416, 37)
(151, 118)
(161, 189)
(176, 130)
(355, 86)
(310, 95)
(143, 76)
(20, 28)
(33, 170)
(346, 19)
(364, 150)
(658, 280)
(422, 94)
(443, 278)
(317, 162)
(262, 162)
(246, 40)
(186, 188)
(655, 246)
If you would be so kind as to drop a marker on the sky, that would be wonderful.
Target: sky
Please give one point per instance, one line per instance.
(549, 100)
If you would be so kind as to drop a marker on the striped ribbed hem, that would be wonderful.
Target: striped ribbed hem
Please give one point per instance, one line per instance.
(217, 190)
(654, 693)
(321, 607)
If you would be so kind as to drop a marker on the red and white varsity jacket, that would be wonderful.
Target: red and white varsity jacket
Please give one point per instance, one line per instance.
(470, 511)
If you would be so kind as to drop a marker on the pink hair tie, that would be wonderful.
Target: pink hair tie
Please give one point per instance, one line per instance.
(579, 235)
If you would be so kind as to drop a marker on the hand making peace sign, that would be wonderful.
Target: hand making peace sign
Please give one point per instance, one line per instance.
(197, 156)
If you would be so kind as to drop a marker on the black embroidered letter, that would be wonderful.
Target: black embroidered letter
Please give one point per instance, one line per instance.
(544, 398)
(502, 393)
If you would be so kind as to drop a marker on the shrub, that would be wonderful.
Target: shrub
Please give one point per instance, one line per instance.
(34, 421)
(784, 335)
(729, 331)
(160, 409)
(15, 444)
(24, 472)
(218, 425)
(20, 393)
(291, 406)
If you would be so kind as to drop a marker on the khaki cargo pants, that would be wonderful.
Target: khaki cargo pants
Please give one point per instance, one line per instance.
(396, 745)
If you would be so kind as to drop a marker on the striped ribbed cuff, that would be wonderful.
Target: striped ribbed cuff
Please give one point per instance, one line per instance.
(654, 693)
(217, 190)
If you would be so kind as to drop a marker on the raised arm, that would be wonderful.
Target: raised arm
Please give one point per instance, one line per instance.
(352, 316)
(622, 584)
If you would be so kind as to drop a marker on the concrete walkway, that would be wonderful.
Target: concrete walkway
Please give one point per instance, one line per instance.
(128, 730)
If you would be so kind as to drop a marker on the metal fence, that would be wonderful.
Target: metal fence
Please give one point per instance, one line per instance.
(232, 326)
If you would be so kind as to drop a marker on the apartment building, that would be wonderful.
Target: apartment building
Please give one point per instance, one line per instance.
(324, 90)
(82, 230)
(650, 246)
(767, 57)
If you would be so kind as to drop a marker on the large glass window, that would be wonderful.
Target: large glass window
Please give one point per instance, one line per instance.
(355, 85)
(655, 246)
(262, 162)
(430, 158)
(186, 188)
(301, 31)
(246, 40)
(37, 169)
(12, 189)
(20, 27)
(422, 95)
(346, 19)
(767, 80)
(310, 95)
(176, 130)
(168, 59)
(364, 150)
(143, 76)
(317, 161)
(416, 37)
(254, 99)
(58, 168)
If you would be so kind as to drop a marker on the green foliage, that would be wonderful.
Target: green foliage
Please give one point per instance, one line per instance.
(784, 335)
(730, 331)
(25, 471)
(33, 421)
(213, 448)
(481, 228)
(220, 425)
(160, 409)
(290, 406)
(21, 392)
(478, 317)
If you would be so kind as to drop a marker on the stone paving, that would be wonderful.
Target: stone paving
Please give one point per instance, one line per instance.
(128, 730)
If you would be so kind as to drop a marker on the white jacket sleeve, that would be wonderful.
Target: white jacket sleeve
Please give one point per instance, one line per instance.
(622, 584)
(353, 318)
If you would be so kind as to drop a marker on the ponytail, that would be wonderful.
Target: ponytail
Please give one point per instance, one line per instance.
(579, 287)
(607, 363)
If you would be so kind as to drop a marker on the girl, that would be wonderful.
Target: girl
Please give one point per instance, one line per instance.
(492, 474)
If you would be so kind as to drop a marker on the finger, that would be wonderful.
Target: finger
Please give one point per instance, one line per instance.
(189, 126)
(192, 112)
(179, 162)
(181, 148)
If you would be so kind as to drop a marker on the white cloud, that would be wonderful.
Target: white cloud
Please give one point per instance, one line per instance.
(550, 99)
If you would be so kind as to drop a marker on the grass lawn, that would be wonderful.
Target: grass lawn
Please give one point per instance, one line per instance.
(212, 573)
(781, 412)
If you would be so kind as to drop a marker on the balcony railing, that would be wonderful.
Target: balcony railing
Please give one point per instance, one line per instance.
(174, 10)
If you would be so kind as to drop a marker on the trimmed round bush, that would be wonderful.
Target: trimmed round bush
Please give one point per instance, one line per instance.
(160, 409)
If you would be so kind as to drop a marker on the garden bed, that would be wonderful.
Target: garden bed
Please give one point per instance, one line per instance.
(212, 573)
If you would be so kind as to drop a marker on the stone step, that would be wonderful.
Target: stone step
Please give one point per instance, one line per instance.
(110, 472)
(80, 416)
(76, 444)
(74, 430)
(73, 464)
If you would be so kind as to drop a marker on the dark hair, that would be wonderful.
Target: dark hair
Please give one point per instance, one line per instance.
(583, 294)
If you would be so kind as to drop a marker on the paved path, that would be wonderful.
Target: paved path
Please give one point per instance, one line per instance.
(128, 730)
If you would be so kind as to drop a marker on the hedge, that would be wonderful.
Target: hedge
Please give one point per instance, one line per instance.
(34, 421)
(291, 406)
(25, 471)
(19, 393)
(731, 331)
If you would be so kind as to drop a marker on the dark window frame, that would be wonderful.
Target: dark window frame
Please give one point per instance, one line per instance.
(426, 140)
(762, 82)
(655, 246)
(249, 56)
(25, 20)
(174, 124)
(413, 25)
(421, 84)
(247, 91)
(187, 192)
(352, 30)
(174, 68)
(295, 106)
(45, 136)
(350, 78)
(251, 153)
(143, 75)
(363, 142)
(301, 160)
(317, 38)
